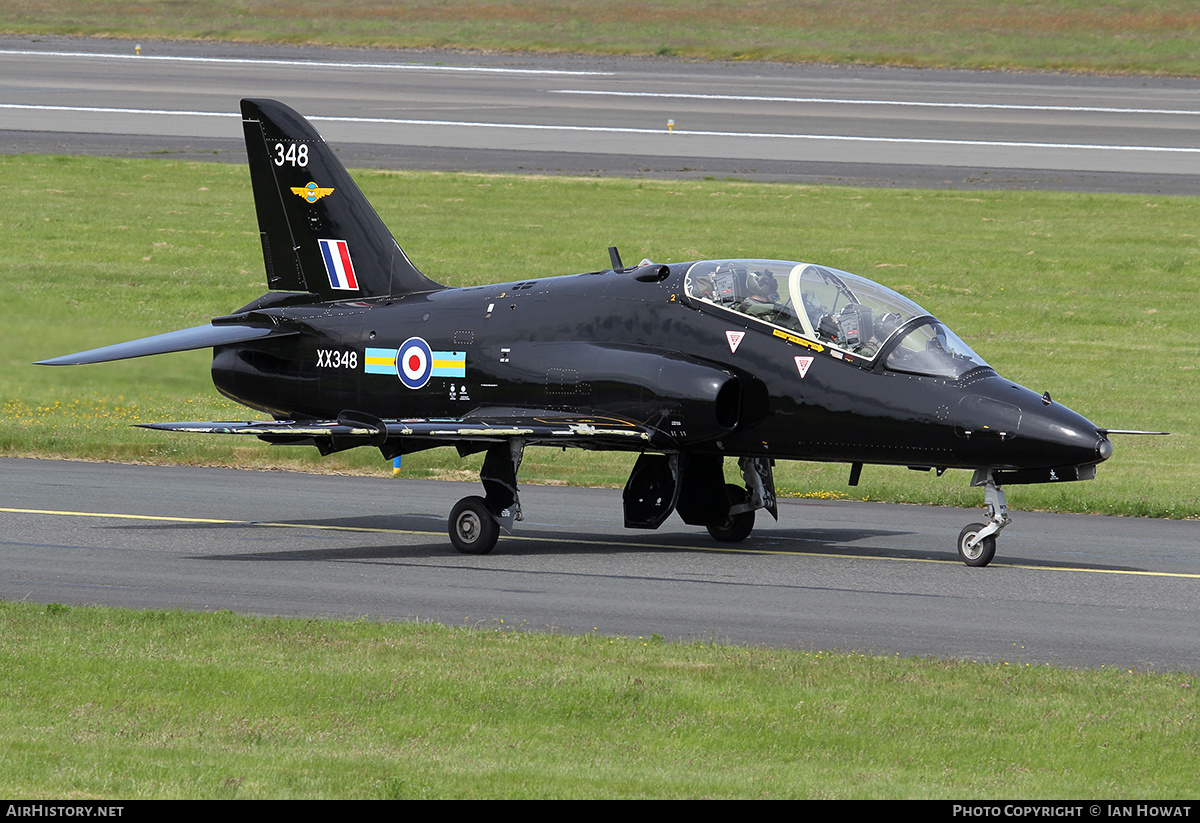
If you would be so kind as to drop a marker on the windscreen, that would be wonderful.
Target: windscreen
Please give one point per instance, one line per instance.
(933, 349)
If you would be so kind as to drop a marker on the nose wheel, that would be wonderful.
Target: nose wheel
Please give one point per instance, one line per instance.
(975, 550)
(977, 542)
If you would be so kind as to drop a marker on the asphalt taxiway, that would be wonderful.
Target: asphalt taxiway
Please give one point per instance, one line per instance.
(1071, 590)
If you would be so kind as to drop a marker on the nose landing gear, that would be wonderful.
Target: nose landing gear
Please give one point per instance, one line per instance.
(973, 549)
(977, 542)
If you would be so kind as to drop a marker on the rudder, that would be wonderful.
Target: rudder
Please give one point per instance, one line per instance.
(319, 232)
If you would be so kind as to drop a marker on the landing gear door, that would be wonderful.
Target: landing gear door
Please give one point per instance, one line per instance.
(652, 491)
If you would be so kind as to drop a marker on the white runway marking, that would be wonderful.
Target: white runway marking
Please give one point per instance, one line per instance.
(677, 133)
(851, 102)
(316, 64)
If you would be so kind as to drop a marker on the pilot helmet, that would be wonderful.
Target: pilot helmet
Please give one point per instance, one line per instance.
(761, 284)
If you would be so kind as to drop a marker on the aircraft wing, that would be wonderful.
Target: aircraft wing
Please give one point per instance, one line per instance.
(350, 430)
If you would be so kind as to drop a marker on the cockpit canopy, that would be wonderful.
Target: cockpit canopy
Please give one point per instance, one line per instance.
(834, 308)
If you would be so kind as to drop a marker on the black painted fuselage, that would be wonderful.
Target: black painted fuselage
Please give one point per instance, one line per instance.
(607, 345)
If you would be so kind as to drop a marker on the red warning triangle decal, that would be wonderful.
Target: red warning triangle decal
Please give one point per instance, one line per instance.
(802, 363)
(735, 339)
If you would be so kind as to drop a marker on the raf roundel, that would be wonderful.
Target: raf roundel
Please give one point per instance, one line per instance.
(414, 363)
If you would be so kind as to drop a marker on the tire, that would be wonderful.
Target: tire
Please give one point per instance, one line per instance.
(983, 551)
(473, 529)
(737, 527)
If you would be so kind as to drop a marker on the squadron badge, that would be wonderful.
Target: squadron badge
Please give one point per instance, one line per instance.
(312, 192)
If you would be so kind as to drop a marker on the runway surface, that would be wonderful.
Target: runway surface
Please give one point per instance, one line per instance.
(1064, 589)
(607, 116)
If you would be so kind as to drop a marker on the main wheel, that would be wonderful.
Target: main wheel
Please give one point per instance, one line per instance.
(473, 530)
(737, 527)
(982, 552)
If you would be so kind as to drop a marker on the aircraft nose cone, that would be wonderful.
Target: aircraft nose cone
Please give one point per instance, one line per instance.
(1065, 437)
(1022, 429)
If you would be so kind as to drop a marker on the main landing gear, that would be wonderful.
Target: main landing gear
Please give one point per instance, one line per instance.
(475, 522)
(473, 527)
(692, 485)
(737, 526)
(977, 542)
(759, 493)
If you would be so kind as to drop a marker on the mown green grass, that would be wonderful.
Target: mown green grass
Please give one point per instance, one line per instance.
(105, 703)
(1139, 36)
(1091, 297)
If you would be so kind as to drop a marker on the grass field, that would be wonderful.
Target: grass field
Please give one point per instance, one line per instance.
(1138, 36)
(105, 703)
(1092, 297)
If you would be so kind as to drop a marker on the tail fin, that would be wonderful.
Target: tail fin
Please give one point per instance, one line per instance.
(319, 233)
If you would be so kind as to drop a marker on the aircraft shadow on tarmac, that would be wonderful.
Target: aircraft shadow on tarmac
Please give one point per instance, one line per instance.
(424, 536)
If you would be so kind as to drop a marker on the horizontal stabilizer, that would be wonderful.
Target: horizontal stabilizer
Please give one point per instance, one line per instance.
(198, 337)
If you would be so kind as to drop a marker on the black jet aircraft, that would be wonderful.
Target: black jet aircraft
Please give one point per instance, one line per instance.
(686, 365)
